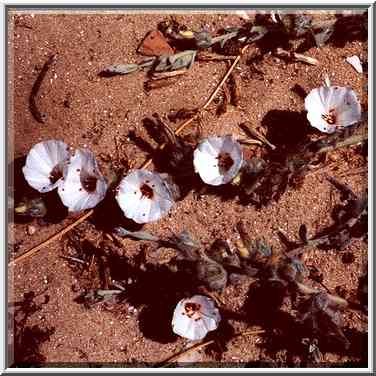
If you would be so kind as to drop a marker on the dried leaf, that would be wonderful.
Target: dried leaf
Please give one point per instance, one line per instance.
(187, 245)
(296, 25)
(314, 354)
(154, 83)
(286, 270)
(163, 75)
(138, 235)
(256, 33)
(113, 70)
(174, 62)
(222, 108)
(321, 315)
(212, 56)
(182, 114)
(251, 131)
(303, 233)
(293, 56)
(211, 274)
(31, 207)
(323, 31)
(234, 86)
(155, 44)
(221, 253)
(302, 24)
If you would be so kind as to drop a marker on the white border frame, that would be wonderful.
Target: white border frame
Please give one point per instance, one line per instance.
(207, 4)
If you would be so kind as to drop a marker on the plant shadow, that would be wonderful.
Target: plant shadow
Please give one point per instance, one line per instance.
(21, 193)
(28, 339)
(286, 130)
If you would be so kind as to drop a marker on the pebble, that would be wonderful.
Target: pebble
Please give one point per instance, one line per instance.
(333, 157)
(31, 230)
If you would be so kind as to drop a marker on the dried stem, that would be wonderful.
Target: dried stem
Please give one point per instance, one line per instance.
(309, 291)
(353, 140)
(200, 346)
(176, 357)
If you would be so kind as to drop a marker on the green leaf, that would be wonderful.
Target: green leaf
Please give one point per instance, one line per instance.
(138, 235)
(256, 33)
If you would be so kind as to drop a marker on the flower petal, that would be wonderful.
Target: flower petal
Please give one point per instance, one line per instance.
(139, 208)
(318, 122)
(341, 100)
(72, 192)
(315, 101)
(40, 162)
(196, 327)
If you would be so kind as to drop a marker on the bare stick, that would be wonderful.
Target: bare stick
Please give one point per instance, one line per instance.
(200, 346)
(46, 242)
(205, 106)
(176, 357)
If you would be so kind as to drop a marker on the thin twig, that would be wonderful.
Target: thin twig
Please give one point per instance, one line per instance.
(46, 242)
(353, 140)
(176, 357)
(209, 56)
(309, 291)
(200, 346)
(353, 172)
(74, 259)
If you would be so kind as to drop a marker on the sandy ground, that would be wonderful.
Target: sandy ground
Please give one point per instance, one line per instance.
(87, 110)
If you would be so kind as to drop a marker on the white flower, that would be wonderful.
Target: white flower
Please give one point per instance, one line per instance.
(332, 107)
(195, 317)
(45, 165)
(144, 196)
(218, 160)
(83, 186)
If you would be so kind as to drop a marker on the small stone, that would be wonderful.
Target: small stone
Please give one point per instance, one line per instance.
(31, 230)
(333, 157)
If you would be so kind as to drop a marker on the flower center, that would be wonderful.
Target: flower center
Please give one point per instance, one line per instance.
(89, 183)
(225, 161)
(55, 174)
(146, 191)
(330, 118)
(192, 309)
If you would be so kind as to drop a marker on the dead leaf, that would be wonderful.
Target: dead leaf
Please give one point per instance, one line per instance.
(155, 44)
